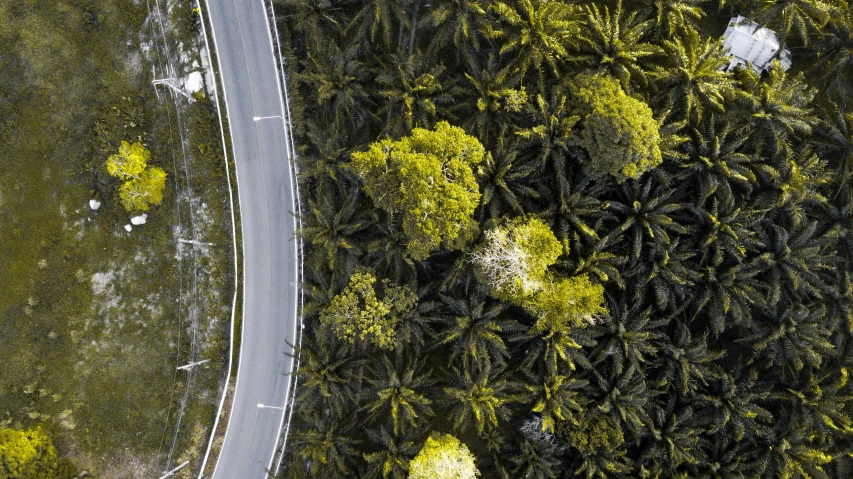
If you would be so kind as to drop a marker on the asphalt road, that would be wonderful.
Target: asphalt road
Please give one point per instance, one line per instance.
(265, 186)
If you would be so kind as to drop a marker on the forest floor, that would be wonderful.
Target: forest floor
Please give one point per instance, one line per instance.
(93, 319)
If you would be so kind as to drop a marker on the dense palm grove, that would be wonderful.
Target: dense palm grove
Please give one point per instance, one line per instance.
(725, 264)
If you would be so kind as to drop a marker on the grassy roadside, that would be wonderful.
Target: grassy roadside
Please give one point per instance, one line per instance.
(93, 320)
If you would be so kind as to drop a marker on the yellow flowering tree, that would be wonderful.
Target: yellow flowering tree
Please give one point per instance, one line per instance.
(443, 457)
(140, 193)
(129, 162)
(26, 454)
(619, 132)
(428, 179)
(142, 185)
(357, 313)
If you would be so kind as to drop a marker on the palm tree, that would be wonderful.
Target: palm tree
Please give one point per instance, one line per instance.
(397, 388)
(793, 262)
(800, 17)
(335, 226)
(379, 18)
(576, 212)
(388, 254)
(716, 162)
(613, 44)
(777, 106)
(793, 185)
(726, 293)
(491, 96)
(821, 401)
(556, 397)
(686, 364)
(644, 215)
(600, 444)
(835, 134)
(391, 461)
(790, 340)
(457, 25)
(693, 80)
(326, 446)
(536, 461)
(315, 21)
(535, 32)
(624, 396)
(731, 406)
(476, 330)
(413, 93)
(672, 17)
(327, 374)
(674, 440)
(667, 276)
(337, 80)
(786, 451)
(629, 337)
(481, 399)
(832, 52)
(505, 183)
(726, 231)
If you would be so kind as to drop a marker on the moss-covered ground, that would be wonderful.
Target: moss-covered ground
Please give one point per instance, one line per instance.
(94, 320)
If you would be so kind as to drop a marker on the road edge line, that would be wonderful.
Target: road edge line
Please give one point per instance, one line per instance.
(233, 234)
(284, 101)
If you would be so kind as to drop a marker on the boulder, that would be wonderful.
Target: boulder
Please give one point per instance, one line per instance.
(95, 205)
(139, 220)
(128, 228)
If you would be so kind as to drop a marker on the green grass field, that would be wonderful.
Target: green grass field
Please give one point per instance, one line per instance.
(92, 319)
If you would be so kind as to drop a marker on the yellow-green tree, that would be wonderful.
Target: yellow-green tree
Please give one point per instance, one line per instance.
(619, 132)
(140, 193)
(26, 454)
(513, 260)
(357, 313)
(566, 302)
(443, 457)
(428, 179)
(142, 185)
(129, 162)
(513, 263)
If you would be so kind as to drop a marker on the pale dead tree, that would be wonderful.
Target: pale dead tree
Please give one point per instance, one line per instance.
(507, 265)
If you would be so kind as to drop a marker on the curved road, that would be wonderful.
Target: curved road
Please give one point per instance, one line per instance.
(256, 111)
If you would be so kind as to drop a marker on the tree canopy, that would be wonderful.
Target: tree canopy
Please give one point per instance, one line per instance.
(618, 131)
(443, 457)
(629, 260)
(428, 179)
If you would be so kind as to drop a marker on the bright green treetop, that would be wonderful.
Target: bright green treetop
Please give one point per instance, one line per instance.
(26, 454)
(139, 193)
(443, 457)
(566, 302)
(129, 162)
(428, 179)
(358, 313)
(619, 131)
(514, 258)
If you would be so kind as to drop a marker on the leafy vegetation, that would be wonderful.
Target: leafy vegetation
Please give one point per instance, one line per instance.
(93, 319)
(652, 277)
(30, 455)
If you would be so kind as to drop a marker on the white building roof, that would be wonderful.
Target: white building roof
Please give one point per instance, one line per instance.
(749, 42)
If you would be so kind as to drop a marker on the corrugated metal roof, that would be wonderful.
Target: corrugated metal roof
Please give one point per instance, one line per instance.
(748, 42)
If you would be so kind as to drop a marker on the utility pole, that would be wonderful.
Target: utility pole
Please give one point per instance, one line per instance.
(173, 471)
(189, 366)
(194, 242)
(173, 84)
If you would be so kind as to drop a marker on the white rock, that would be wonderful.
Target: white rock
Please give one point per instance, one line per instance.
(139, 220)
(95, 205)
(128, 228)
(193, 82)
